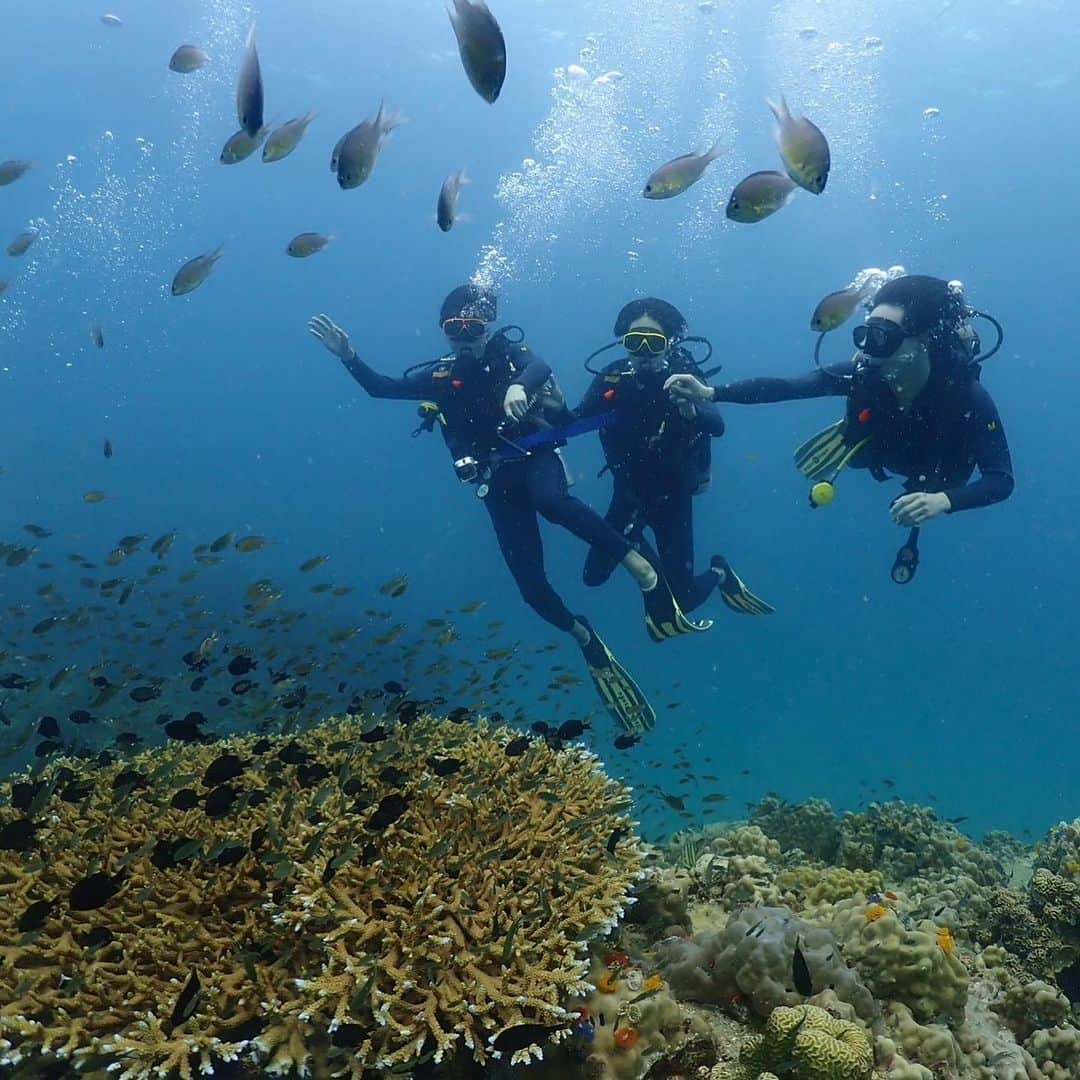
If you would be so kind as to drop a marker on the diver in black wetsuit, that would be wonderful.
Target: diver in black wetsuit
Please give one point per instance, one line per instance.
(658, 450)
(488, 395)
(915, 409)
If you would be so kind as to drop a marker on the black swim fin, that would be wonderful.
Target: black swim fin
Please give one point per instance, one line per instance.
(622, 697)
(735, 594)
(664, 618)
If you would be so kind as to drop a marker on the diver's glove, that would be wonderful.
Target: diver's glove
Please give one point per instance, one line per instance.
(664, 618)
(331, 335)
(686, 387)
(516, 402)
(622, 697)
(734, 592)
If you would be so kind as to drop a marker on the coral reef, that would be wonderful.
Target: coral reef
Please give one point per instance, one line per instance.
(917, 966)
(359, 897)
(803, 1043)
(753, 959)
(811, 827)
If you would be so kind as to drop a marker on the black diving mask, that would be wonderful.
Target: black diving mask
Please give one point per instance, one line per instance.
(879, 338)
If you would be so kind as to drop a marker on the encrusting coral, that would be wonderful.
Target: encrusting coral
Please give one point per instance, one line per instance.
(359, 897)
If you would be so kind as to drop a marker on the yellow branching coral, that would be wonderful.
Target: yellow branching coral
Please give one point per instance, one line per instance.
(325, 902)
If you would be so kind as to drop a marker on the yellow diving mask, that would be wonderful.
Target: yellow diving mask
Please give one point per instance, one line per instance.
(651, 341)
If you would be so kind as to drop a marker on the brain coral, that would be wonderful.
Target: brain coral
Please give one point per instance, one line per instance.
(347, 900)
(804, 1043)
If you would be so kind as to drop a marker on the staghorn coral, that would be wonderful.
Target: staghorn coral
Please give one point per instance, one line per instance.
(318, 904)
(803, 1043)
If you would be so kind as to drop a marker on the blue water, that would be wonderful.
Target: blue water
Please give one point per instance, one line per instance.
(225, 415)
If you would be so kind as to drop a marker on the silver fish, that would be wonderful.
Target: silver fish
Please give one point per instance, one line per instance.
(677, 175)
(803, 148)
(758, 196)
(240, 145)
(188, 58)
(194, 272)
(283, 140)
(10, 171)
(112, 20)
(249, 89)
(446, 210)
(835, 309)
(96, 336)
(359, 150)
(481, 45)
(308, 243)
(21, 244)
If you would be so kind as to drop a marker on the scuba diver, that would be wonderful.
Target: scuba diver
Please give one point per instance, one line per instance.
(915, 409)
(497, 406)
(658, 450)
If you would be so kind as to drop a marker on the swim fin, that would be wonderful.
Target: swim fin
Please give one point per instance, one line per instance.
(822, 453)
(735, 594)
(664, 618)
(622, 697)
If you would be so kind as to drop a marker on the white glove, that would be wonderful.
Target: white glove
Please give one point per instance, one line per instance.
(919, 506)
(687, 388)
(332, 336)
(516, 402)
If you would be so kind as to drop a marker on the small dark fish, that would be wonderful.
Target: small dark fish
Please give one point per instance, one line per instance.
(394, 776)
(676, 802)
(23, 794)
(625, 742)
(800, 973)
(517, 747)
(14, 681)
(35, 916)
(613, 840)
(392, 687)
(227, 767)
(49, 728)
(108, 451)
(185, 799)
(93, 892)
(444, 766)
(242, 686)
(186, 730)
(142, 694)
(376, 734)
(249, 90)
(198, 683)
(349, 1035)
(512, 1039)
(571, 729)
(293, 754)
(459, 715)
(187, 1002)
(17, 835)
(220, 801)
(957, 820)
(96, 938)
(446, 208)
(540, 727)
(390, 808)
(241, 665)
(482, 48)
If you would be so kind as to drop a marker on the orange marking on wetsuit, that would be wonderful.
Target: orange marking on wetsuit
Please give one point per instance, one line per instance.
(864, 416)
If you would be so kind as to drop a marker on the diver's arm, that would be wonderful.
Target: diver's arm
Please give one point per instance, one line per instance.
(830, 382)
(594, 402)
(992, 456)
(709, 420)
(411, 388)
(533, 377)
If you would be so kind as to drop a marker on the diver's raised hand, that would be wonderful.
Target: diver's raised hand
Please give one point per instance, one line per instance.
(688, 388)
(516, 401)
(331, 335)
(919, 506)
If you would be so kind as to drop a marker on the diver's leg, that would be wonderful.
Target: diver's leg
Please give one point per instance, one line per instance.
(672, 521)
(518, 533)
(546, 481)
(622, 516)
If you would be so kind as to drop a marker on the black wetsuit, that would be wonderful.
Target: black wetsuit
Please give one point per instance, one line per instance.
(951, 428)
(469, 393)
(659, 460)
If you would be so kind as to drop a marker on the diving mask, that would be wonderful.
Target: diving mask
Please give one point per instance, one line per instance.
(878, 338)
(652, 342)
(464, 327)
